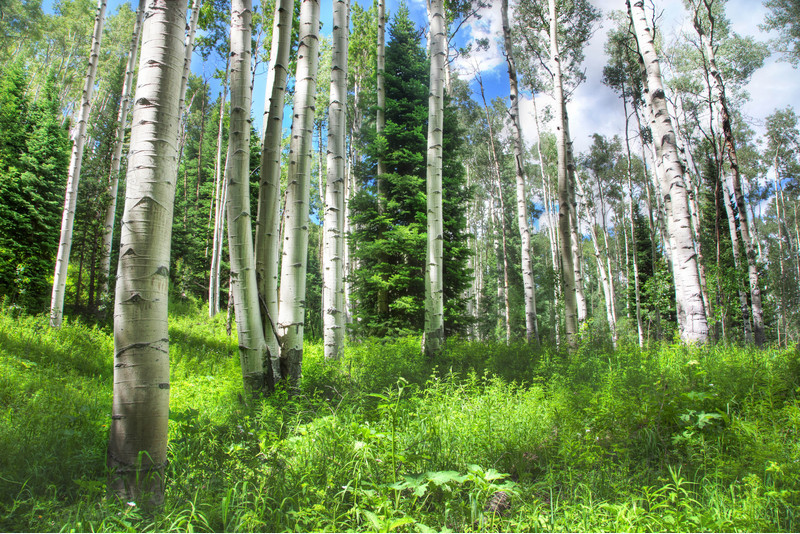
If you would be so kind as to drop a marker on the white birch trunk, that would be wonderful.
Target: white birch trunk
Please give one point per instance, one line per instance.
(137, 451)
(691, 312)
(252, 347)
(113, 175)
(434, 283)
(522, 201)
(333, 248)
(74, 174)
(291, 315)
(220, 187)
(267, 229)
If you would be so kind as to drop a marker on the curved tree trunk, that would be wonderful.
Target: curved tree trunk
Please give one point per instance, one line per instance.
(74, 174)
(333, 251)
(137, 450)
(267, 232)
(434, 282)
(522, 201)
(721, 105)
(291, 315)
(691, 315)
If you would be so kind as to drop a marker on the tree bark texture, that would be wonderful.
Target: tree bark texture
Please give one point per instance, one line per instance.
(267, 230)
(691, 312)
(291, 315)
(116, 159)
(333, 251)
(74, 174)
(137, 450)
(434, 284)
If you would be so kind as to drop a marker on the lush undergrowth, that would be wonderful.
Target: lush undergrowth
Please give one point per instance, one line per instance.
(486, 438)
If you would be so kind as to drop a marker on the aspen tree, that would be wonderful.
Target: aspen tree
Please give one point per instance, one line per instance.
(113, 176)
(252, 346)
(74, 174)
(291, 315)
(137, 451)
(267, 232)
(380, 124)
(333, 251)
(434, 283)
(689, 301)
(729, 143)
(522, 201)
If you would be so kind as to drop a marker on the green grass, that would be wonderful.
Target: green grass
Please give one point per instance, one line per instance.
(665, 439)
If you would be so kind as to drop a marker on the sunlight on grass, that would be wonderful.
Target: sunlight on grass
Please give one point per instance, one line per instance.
(485, 438)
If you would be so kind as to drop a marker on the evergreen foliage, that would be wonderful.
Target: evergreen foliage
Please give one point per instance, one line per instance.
(34, 153)
(390, 246)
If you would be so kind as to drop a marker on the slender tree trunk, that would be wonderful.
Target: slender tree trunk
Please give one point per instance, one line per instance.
(291, 318)
(634, 247)
(220, 181)
(113, 177)
(691, 316)
(187, 58)
(522, 201)
(267, 229)
(137, 451)
(433, 339)
(333, 251)
(252, 347)
(380, 124)
(721, 104)
(74, 174)
(569, 288)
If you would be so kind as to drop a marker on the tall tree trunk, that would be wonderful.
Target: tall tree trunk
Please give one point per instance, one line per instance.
(721, 104)
(434, 280)
(522, 201)
(220, 187)
(252, 347)
(634, 247)
(187, 58)
(291, 318)
(267, 231)
(569, 288)
(380, 124)
(113, 176)
(137, 450)
(691, 316)
(74, 174)
(333, 251)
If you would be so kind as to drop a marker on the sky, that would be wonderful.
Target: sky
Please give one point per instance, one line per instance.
(594, 108)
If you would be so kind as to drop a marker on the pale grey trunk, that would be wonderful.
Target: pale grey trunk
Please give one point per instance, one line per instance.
(187, 58)
(137, 450)
(635, 254)
(333, 251)
(267, 229)
(721, 105)
(569, 288)
(291, 315)
(691, 312)
(433, 339)
(113, 176)
(252, 347)
(522, 201)
(380, 124)
(220, 186)
(74, 174)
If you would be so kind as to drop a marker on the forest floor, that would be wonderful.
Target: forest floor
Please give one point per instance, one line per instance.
(487, 438)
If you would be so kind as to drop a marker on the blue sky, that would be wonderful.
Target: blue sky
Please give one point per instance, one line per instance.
(594, 108)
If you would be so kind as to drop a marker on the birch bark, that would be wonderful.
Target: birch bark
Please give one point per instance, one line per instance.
(291, 315)
(691, 312)
(137, 450)
(74, 174)
(113, 175)
(434, 283)
(522, 201)
(267, 232)
(333, 251)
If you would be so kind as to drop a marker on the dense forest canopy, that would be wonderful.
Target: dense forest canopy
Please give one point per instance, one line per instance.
(511, 171)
